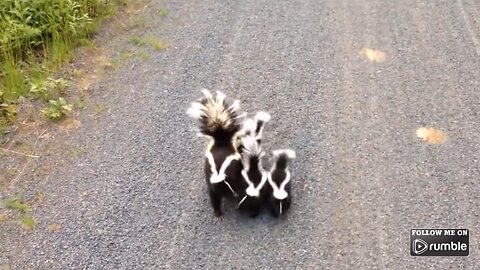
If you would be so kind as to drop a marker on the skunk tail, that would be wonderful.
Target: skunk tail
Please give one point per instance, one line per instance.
(218, 118)
(254, 127)
(282, 158)
(252, 152)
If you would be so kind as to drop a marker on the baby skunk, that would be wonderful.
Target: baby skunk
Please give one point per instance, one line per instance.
(278, 188)
(253, 128)
(219, 121)
(253, 174)
(254, 177)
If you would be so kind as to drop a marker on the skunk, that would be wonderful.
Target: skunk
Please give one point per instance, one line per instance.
(278, 188)
(220, 122)
(256, 130)
(253, 128)
(254, 177)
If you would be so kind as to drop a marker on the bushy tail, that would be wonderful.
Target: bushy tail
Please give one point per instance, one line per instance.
(252, 152)
(254, 127)
(282, 158)
(218, 118)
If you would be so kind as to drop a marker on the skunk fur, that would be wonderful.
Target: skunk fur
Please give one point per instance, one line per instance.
(253, 128)
(254, 177)
(278, 190)
(253, 174)
(220, 121)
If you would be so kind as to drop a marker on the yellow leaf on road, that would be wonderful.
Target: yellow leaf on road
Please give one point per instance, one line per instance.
(373, 55)
(431, 135)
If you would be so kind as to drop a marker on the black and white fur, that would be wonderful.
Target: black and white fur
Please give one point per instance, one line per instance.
(253, 127)
(220, 122)
(253, 174)
(279, 196)
(252, 193)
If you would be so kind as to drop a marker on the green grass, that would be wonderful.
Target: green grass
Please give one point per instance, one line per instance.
(18, 205)
(135, 40)
(157, 44)
(143, 55)
(27, 221)
(79, 104)
(3, 125)
(99, 109)
(140, 22)
(162, 12)
(37, 37)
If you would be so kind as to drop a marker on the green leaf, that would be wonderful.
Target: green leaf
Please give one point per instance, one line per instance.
(29, 223)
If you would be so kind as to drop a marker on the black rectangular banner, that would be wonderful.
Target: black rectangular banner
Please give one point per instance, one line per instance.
(439, 242)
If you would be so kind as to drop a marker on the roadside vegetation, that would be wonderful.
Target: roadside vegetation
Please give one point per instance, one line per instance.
(23, 209)
(36, 38)
(44, 78)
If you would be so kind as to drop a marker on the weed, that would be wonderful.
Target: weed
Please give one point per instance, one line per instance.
(38, 89)
(135, 40)
(9, 111)
(78, 73)
(57, 109)
(18, 205)
(121, 58)
(143, 55)
(140, 22)
(44, 88)
(28, 222)
(99, 109)
(125, 55)
(157, 44)
(23, 208)
(76, 152)
(59, 85)
(3, 126)
(79, 104)
(162, 12)
(37, 36)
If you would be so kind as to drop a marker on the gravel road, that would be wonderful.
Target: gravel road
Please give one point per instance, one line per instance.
(362, 178)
